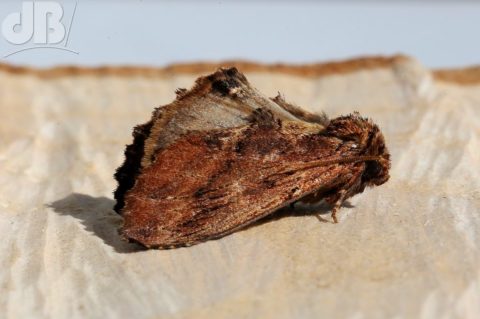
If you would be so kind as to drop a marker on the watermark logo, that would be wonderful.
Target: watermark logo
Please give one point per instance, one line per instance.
(39, 25)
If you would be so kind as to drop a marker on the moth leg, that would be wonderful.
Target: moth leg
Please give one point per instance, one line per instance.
(338, 204)
(342, 195)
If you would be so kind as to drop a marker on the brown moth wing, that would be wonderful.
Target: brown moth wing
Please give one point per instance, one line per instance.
(208, 184)
(223, 99)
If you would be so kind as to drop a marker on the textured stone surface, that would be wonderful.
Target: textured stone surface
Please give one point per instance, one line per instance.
(408, 249)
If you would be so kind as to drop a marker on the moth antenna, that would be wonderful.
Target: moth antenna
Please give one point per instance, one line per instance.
(337, 160)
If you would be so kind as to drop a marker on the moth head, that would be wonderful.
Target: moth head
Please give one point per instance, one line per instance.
(376, 172)
(366, 138)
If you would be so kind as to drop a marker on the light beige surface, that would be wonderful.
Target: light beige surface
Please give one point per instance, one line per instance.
(407, 249)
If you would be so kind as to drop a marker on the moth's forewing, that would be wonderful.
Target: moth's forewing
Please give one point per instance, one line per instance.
(223, 99)
(208, 184)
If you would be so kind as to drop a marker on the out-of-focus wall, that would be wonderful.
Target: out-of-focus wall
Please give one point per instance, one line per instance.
(439, 34)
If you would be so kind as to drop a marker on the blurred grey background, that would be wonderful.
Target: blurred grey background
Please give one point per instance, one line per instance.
(157, 33)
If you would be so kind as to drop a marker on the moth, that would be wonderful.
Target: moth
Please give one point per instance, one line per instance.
(222, 156)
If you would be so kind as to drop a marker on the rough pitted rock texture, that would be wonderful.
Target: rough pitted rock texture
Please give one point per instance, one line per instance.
(408, 249)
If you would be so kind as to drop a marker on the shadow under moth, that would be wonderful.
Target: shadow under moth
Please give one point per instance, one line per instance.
(222, 156)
